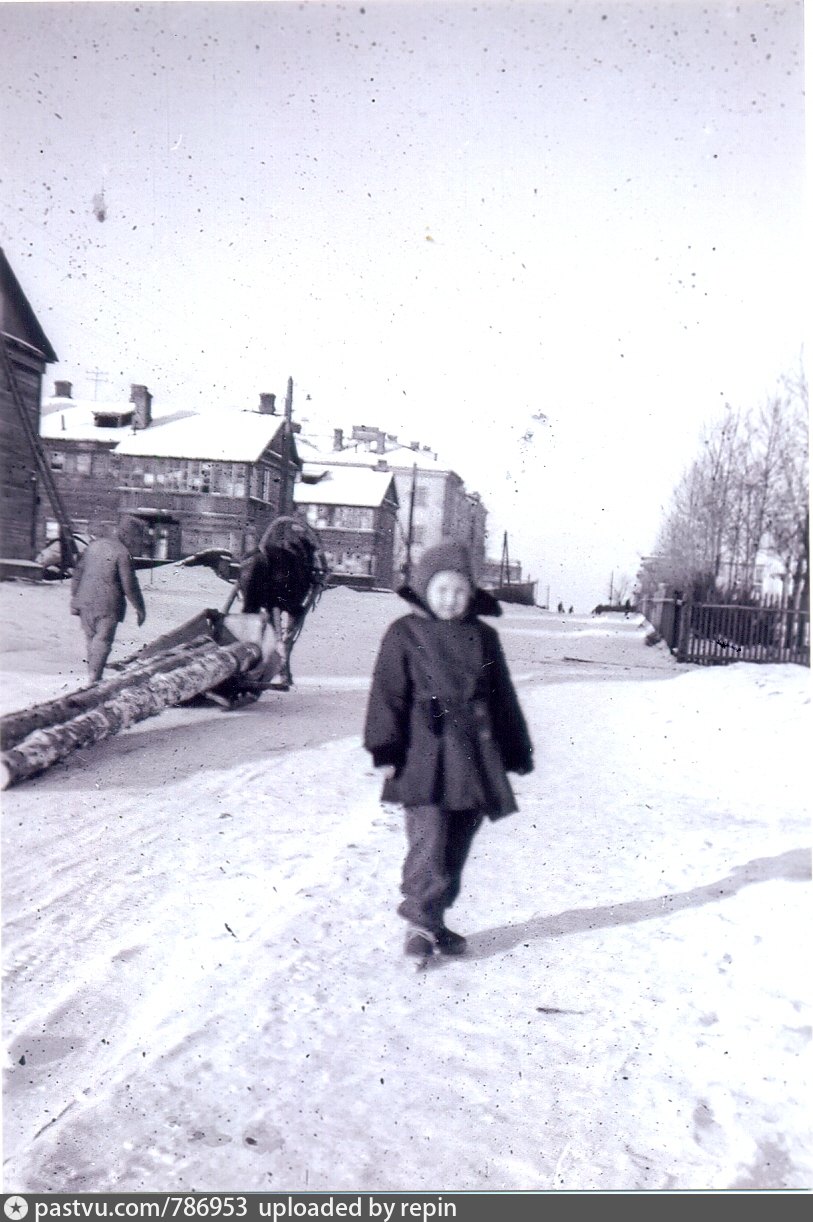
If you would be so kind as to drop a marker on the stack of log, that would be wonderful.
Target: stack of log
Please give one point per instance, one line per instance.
(34, 739)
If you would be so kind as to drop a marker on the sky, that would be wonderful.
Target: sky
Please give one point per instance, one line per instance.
(550, 240)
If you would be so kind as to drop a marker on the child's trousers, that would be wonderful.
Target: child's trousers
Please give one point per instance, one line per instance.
(438, 843)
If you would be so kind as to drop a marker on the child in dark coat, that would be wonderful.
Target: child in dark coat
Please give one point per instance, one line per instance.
(444, 720)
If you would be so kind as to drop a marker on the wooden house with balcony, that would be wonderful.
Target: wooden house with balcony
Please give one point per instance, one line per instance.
(197, 480)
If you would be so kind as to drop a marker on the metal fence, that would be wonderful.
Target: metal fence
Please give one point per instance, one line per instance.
(715, 634)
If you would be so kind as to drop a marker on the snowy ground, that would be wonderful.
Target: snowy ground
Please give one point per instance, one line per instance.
(203, 984)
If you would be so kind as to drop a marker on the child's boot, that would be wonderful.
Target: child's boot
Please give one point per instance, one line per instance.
(450, 943)
(419, 944)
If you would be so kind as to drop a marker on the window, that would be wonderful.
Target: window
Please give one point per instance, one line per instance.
(320, 516)
(83, 464)
(57, 460)
(352, 517)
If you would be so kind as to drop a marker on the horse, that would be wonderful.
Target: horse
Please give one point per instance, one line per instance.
(284, 576)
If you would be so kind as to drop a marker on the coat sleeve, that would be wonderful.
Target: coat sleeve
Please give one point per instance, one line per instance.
(129, 583)
(386, 727)
(76, 582)
(508, 721)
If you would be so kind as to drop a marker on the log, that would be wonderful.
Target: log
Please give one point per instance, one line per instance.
(14, 727)
(205, 623)
(145, 695)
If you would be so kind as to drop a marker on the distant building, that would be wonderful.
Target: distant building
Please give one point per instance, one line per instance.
(354, 511)
(26, 351)
(78, 438)
(496, 572)
(197, 480)
(432, 498)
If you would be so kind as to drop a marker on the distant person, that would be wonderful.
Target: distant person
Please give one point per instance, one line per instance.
(104, 581)
(627, 609)
(561, 608)
(570, 610)
(445, 723)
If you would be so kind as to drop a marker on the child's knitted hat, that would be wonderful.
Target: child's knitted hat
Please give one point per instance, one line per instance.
(446, 556)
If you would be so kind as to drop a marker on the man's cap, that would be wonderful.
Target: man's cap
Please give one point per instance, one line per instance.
(131, 532)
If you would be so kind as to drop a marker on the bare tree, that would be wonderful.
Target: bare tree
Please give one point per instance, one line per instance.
(744, 495)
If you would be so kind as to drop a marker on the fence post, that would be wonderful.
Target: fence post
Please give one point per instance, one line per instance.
(683, 621)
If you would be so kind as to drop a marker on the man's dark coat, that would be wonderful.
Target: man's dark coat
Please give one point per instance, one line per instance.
(443, 710)
(103, 579)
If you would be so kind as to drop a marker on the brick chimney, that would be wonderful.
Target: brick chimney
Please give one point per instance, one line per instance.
(338, 439)
(268, 404)
(141, 399)
(63, 390)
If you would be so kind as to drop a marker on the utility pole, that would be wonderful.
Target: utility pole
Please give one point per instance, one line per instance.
(287, 429)
(408, 561)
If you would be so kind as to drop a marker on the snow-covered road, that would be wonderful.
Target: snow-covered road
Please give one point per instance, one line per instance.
(203, 985)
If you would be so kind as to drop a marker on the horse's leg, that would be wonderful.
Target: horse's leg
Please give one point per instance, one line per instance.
(282, 673)
(269, 649)
(286, 641)
(294, 625)
(290, 630)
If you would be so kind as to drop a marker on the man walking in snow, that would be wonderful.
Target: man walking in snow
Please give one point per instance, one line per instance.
(104, 581)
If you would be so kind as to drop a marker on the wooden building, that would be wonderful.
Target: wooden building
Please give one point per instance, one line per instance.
(354, 511)
(433, 501)
(212, 480)
(25, 353)
(197, 480)
(78, 438)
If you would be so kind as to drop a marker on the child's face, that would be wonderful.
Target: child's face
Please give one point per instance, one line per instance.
(448, 594)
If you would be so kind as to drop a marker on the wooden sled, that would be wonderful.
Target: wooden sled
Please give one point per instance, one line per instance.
(223, 629)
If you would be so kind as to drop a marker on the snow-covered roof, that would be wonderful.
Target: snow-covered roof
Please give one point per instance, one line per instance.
(221, 437)
(74, 419)
(345, 486)
(228, 436)
(354, 455)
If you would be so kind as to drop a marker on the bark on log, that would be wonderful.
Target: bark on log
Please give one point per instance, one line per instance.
(144, 696)
(14, 727)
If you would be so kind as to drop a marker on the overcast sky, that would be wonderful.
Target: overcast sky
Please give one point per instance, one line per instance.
(548, 239)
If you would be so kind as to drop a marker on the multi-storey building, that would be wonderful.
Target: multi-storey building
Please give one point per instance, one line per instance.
(354, 510)
(433, 502)
(198, 480)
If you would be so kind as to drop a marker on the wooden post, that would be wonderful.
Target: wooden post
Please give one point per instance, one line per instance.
(683, 610)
